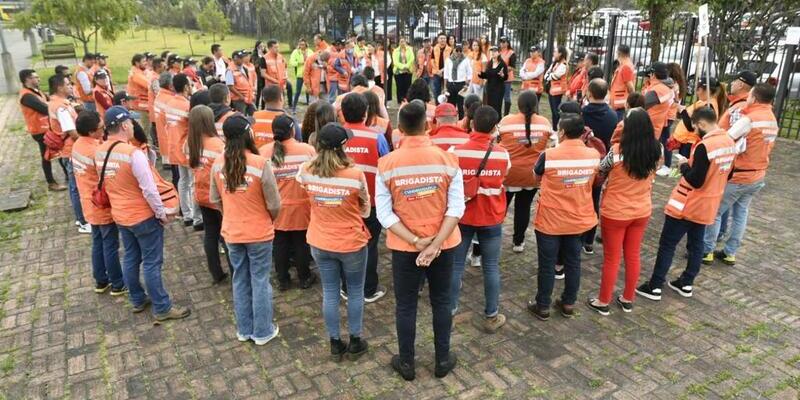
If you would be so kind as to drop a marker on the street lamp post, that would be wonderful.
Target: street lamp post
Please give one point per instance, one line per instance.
(8, 63)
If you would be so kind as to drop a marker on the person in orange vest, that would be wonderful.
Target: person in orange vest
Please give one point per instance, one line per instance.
(447, 133)
(525, 135)
(62, 116)
(424, 60)
(557, 76)
(33, 104)
(510, 59)
(272, 98)
(658, 99)
(83, 81)
(243, 187)
(360, 85)
(274, 70)
(479, 60)
(137, 87)
(743, 82)
(347, 65)
(203, 148)
(315, 75)
(286, 155)
(374, 119)
(635, 100)
(369, 73)
(364, 148)
(175, 64)
(139, 213)
(339, 200)
(441, 52)
(419, 199)
(220, 104)
(692, 205)
(165, 92)
(106, 269)
(190, 70)
(709, 93)
(532, 72)
(176, 113)
(252, 74)
(626, 207)
(331, 74)
(577, 88)
(484, 164)
(242, 97)
(623, 81)
(320, 44)
(564, 212)
(101, 92)
(756, 131)
(157, 67)
(101, 64)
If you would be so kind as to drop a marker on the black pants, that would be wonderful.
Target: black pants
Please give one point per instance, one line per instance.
(588, 236)
(548, 248)
(522, 212)
(242, 107)
(47, 167)
(388, 85)
(291, 243)
(289, 94)
(371, 279)
(671, 234)
(403, 83)
(407, 276)
(154, 135)
(212, 219)
(455, 99)
(176, 177)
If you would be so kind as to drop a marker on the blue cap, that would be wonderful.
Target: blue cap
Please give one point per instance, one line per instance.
(116, 115)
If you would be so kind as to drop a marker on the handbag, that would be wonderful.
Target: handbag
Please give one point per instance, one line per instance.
(99, 195)
(472, 183)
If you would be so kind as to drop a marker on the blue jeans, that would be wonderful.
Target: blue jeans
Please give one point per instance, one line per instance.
(737, 199)
(673, 231)
(144, 245)
(490, 238)
(354, 267)
(105, 255)
(74, 197)
(548, 247)
(298, 90)
(333, 91)
(438, 82)
(252, 292)
(723, 225)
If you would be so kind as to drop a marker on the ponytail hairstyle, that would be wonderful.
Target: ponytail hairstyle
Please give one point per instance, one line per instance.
(639, 149)
(280, 135)
(471, 104)
(201, 124)
(528, 104)
(721, 94)
(237, 142)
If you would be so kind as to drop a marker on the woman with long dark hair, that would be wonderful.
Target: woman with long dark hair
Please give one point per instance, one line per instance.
(679, 87)
(711, 94)
(471, 103)
(525, 136)
(556, 75)
(244, 189)
(403, 65)
(374, 119)
(626, 207)
(256, 57)
(479, 60)
(324, 113)
(496, 74)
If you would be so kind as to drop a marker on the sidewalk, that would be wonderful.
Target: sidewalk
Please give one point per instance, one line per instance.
(737, 337)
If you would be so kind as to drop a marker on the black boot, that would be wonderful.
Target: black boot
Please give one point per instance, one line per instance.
(356, 348)
(506, 108)
(405, 370)
(443, 368)
(338, 348)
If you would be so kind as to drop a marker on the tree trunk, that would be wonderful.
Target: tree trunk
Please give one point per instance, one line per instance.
(164, 37)
(85, 45)
(189, 36)
(656, 14)
(441, 17)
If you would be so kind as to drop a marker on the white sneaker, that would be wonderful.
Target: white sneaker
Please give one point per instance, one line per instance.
(85, 228)
(261, 342)
(77, 223)
(518, 248)
(663, 171)
(242, 338)
(476, 261)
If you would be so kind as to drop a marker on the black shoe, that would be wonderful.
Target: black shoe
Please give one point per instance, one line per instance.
(356, 348)
(101, 288)
(626, 306)
(649, 292)
(444, 368)
(338, 349)
(118, 291)
(602, 310)
(198, 227)
(588, 249)
(566, 310)
(599, 239)
(380, 291)
(543, 313)
(221, 278)
(187, 222)
(306, 283)
(405, 370)
(284, 286)
(682, 289)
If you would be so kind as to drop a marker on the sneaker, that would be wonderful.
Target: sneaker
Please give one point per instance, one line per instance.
(118, 292)
(726, 259)
(221, 278)
(588, 249)
(284, 286)
(594, 304)
(379, 292)
(176, 312)
(405, 370)
(188, 222)
(647, 291)
(680, 288)
(308, 282)
(675, 173)
(242, 338)
(543, 313)
(559, 272)
(261, 342)
(476, 261)
(198, 227)
(343, 294)
(101, 287)
(708, 259)
(356, 348)
(492, 324)
(663, 171)
(338, 349)
(85, 228)
(77, 223)
(56, 187)
(626, 306)
(443, 368)
(566, 310)
(141, 307)
(599, 239)
(518, 248)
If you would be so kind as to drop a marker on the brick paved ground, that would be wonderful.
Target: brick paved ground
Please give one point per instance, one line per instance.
(737, 337)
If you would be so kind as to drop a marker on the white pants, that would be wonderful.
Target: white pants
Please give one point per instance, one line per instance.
(189, 206)
(475, 89)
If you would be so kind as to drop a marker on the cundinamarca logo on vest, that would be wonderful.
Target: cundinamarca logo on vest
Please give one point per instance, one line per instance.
(325, 196)
(423, 186)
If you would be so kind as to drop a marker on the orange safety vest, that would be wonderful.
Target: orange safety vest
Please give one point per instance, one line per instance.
(245, 217)
(213, 148)
(558, 86)
(96, 68)
(86, 178)
(151, 95)
(506, 56)
(331, 74)
(660, 112)
(565, 199)
(681, 133)
(35, 123)
(736, 103)
(312, 77)
(262, 128)
(700, 205)
(160, 105)
(616, 137)
(477, 68)
(128, 205)
(84, 97)
(295, 208)
(523, 158)
(276, 69)
(251, 76)
(447, 136)
(221, 121)
(488, 207)
(104, 92)
(436, 56)
(625, 198)
(344, 79)
(751, 165)
(535, 83)
(57, 103)
(418, 176)
(241, 83)
(176, 113)
(137, 87)
(362, 148)
(336, 223)
(618, 93)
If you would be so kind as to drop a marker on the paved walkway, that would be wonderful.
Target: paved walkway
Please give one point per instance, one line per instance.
(737, 337)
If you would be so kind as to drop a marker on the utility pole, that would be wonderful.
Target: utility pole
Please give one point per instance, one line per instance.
(8, 63)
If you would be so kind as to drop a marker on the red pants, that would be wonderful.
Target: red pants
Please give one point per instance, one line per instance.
(619, 236)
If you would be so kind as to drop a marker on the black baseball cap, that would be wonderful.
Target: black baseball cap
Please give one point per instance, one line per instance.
(100, 55)
(333, 136)
(535, 48)
(748, 77)
(120, 96)
(503, 39)
(235, 125)
(149, 55)
(659, 69)
(100, 75)
(240, 53)
(283, 127)
(702, 83)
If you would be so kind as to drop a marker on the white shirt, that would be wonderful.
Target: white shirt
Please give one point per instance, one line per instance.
(384, 208)
(528, 75)
(219, 68)
(65, 120)
(463, 72)
(83, 80)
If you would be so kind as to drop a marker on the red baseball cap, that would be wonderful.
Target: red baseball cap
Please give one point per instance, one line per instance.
(445, 110)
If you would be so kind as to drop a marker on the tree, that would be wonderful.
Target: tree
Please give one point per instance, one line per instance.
(158, 14)
(79, 19)
(212, 20)
(658, 11)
